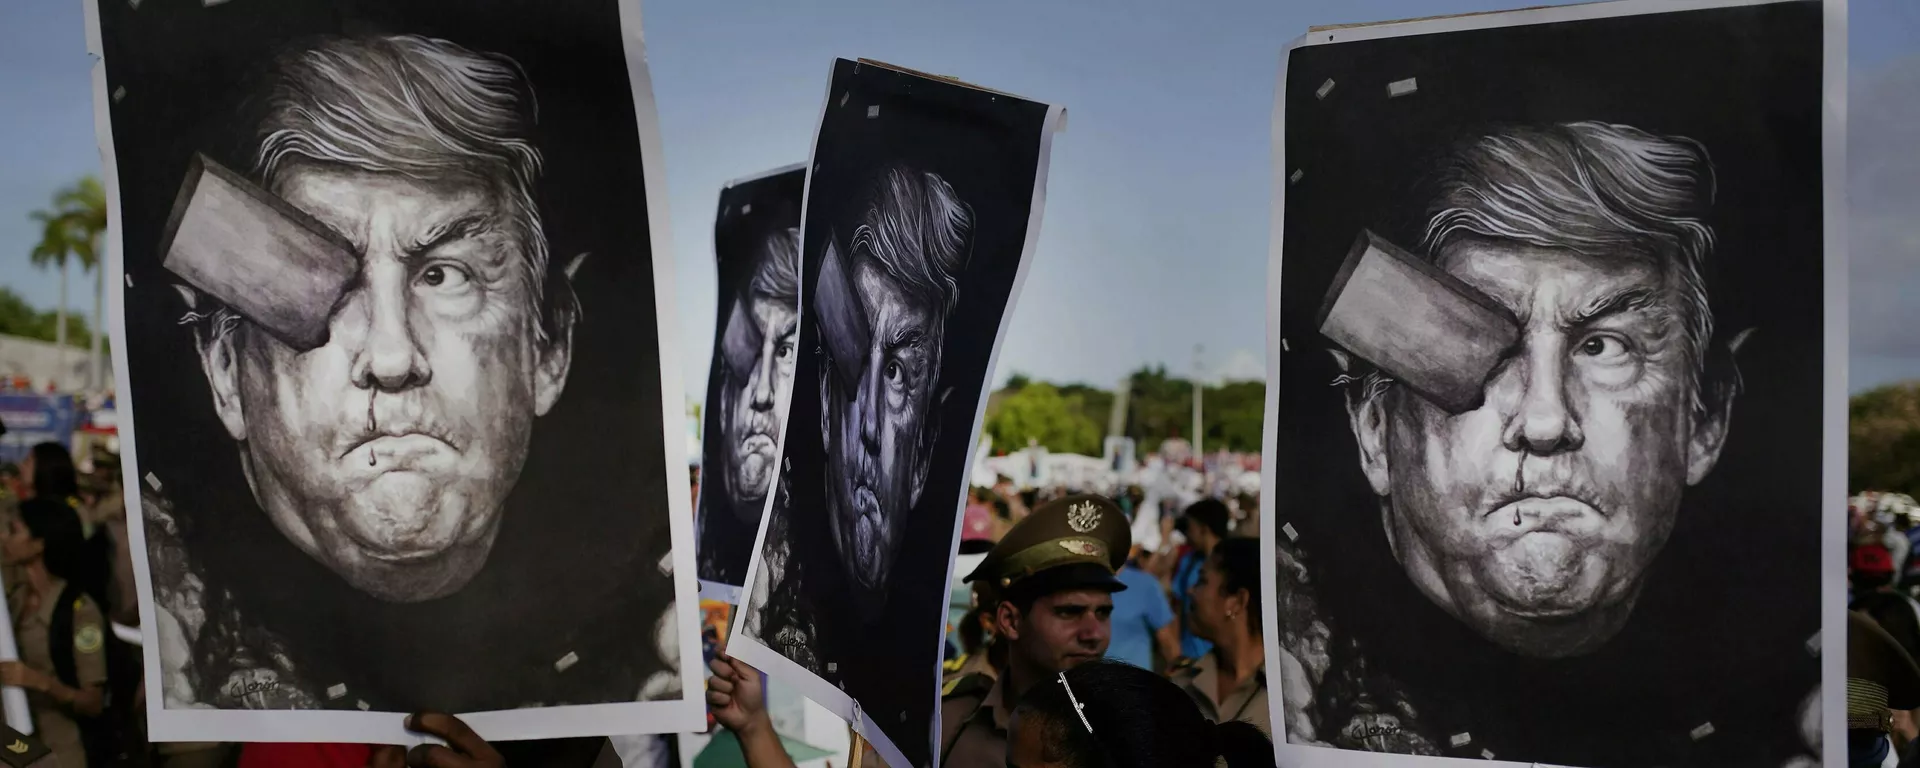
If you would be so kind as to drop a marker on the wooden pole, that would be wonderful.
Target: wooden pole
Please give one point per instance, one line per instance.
(859, 750)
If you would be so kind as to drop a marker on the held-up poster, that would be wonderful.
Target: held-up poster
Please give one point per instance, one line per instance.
(756, 248)
(923, 204)
(1558, 336)
(398, 356)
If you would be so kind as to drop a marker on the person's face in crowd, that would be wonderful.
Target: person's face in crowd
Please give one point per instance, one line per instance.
(1214, 608)
(388, 453)
(20, 546)
(1203, 537)
(874, 465)
(1061, 631)
(1533, 518)
(761, 404)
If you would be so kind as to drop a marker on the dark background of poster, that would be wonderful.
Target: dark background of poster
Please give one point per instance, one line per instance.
(987, 147)
(1735, 595)
(575, 566)
(725, 544)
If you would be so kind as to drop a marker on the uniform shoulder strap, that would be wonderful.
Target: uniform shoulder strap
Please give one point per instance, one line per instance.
(976, 684)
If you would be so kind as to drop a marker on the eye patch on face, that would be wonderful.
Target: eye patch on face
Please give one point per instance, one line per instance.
(273, 264)
(1417, 324)
(843, 319)
(740, 347)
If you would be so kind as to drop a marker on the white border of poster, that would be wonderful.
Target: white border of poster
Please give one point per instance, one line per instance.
(1833, 433)
(688, 713)
(774, 665)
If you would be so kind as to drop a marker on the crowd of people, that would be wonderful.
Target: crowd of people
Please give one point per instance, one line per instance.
(1116, 655)
(1164, 640)
(1883, 715)
(1160, 646)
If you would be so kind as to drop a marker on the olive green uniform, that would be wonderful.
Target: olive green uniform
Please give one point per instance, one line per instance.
(1247, 702)
(53, 724)
(1076, 542)
(974, 717)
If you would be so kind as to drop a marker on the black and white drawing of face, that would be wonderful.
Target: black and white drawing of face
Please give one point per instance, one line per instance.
(882, 311)
(388, 452)
(758, 404)
(1534, 516)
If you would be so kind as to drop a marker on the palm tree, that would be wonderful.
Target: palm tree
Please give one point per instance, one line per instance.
(73, 228)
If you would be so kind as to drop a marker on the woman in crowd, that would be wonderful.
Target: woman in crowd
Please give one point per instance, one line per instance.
(58, 625)
(1110, 714)
(47, 473)
(1230, 681)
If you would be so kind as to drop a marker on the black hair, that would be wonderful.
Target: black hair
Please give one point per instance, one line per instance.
(1212, 513)
(67, 552)
(1134, 719)
(1238, 560)
(1867, 580)
(53, 473)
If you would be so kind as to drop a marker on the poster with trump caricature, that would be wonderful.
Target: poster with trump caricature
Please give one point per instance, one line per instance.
(756, 248)
(1558, 387)
(923, 203)
(397, 352)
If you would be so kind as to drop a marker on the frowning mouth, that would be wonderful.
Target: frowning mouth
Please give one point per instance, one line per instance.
(1530, 514)
(398, 442)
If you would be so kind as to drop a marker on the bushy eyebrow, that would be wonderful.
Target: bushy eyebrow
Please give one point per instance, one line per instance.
(1614, 303)
(906, 337)
(457, 229)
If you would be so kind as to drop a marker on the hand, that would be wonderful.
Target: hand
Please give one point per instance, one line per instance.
(734, 695)
(18, 675)
(468, 749)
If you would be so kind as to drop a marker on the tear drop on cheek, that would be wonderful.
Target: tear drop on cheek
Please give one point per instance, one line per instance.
(373, 459)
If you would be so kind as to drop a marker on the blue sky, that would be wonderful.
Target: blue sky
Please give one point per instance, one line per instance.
(1155, 236)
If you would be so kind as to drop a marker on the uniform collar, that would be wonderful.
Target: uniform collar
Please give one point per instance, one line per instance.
(1206, 680)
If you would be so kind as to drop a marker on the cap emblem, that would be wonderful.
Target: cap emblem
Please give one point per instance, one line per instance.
(1083, 517)
(1080, 547)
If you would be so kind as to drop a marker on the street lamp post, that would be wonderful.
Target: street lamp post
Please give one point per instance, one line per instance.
(1197, 384)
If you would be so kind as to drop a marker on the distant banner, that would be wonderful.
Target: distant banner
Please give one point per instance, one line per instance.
(922, 209)
(34, 419)
(1556, 440)
(756, 248)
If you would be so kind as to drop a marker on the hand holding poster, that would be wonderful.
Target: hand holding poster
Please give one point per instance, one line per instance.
(922, 207)
(756, 247)
(1557, 417)
(396, 349)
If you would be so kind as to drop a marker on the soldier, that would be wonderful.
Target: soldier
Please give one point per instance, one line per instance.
(1054, 572)
(1053, 579)
(1230, 681)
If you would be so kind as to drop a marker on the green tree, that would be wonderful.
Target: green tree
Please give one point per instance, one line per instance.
(18, 318)
(1234, 416)
(1038, 411)
(71, 231)
(1883, 440)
